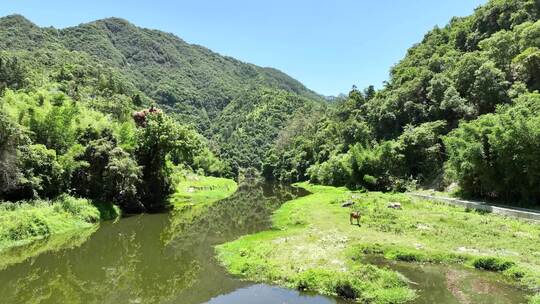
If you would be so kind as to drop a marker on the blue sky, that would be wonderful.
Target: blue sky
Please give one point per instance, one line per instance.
(328, 45)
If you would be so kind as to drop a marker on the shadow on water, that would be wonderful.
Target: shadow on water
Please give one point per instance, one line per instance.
(158, 258)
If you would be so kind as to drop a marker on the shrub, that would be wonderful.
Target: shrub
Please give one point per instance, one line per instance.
(534, 299)
(496, 156)
(492, 264)
(28, 226)
(78, 207)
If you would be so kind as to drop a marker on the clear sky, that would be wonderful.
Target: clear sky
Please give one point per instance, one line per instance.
(328, 45)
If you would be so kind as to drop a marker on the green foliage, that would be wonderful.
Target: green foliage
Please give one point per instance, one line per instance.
(11, 139)
(12, 74)
(41, 170)
(391, 139)
(492, 264)
(494, 156)
(27, 221)
(117, 67)
(52, 144)
(79, 208)
(122, 180)
(161, 141)
(248, 126)
(422, 149)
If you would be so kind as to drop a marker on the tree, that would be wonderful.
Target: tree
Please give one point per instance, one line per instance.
(423, 150)
(501, 47)
(122, 180)
(496, 156)
(453, 107)
(12, 74)
(526, 67)
(489, 88)
(11, 140)
(41, 171)
(155, 143)
(88, 179)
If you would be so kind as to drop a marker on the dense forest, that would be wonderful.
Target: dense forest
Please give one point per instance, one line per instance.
(68, 97)
(107, 119)
(462, 106)
(118, 66)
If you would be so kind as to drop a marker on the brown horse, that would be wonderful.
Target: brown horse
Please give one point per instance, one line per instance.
(355, 215)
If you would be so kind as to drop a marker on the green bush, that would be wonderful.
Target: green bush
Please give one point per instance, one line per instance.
(365, 284)
(78, 207)
(27, 221)
(27, 226)
(492, 264)
(496, 156)
(534, 299)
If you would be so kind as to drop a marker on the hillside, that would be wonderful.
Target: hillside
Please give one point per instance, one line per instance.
(462, 106)
(192, 83)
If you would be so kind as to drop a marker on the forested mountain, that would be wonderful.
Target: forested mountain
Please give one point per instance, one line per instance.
(461, 106)
(137, 66)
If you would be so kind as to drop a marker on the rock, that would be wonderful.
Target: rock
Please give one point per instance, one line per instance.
(347, 204)
(423, 227)
(465, 249)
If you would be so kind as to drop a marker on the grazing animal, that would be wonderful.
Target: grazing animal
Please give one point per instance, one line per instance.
(396, 206)
(355, 215)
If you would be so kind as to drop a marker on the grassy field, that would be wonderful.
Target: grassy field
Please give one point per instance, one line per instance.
(22, 223)
(314, 247)
(198, 191)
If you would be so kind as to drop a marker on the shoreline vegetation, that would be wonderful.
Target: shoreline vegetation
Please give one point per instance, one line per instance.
(193, 195)
(198, 191)
(312, 246)
(28, 222)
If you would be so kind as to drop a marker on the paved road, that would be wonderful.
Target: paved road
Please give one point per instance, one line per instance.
(508, 211)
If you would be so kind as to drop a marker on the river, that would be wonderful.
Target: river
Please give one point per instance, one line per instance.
(166, 258)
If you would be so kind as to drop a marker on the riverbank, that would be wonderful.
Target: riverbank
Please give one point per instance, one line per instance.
(26, 222)
(194, 191)
(193, 196)
(314, 247)
(23, 223)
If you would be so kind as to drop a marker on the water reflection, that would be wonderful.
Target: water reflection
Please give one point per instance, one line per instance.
(169, 258)
(453, 284)
(157, 258)
(264, 294)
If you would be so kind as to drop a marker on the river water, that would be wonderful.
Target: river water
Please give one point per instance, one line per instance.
(168, 258)
(155, 258)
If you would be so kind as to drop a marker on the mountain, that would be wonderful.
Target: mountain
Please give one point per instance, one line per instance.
(192, 83)
(462, 106)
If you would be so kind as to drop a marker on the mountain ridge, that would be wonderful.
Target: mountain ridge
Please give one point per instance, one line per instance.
(114, 57)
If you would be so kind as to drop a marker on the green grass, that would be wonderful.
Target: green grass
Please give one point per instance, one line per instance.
(193, 195)
(25, 222)
(313, 246)
(198, 191)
